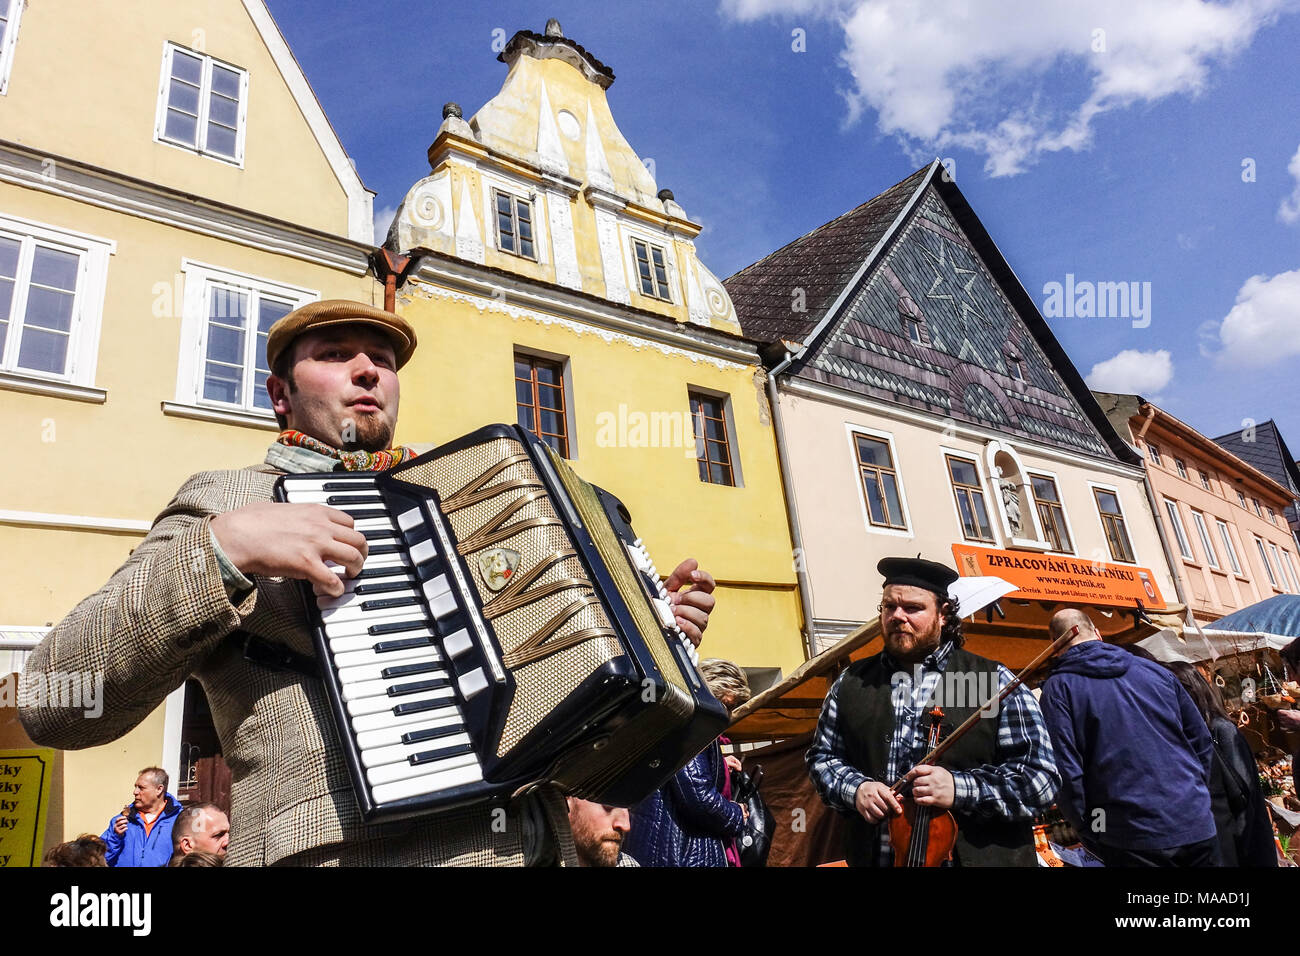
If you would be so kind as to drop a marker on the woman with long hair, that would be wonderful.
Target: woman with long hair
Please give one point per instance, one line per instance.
(1240, 814)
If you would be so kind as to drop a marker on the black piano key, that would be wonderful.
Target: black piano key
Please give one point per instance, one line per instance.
(433, 733)
(372, 534)
(396, 627)
(419, 706)
(384, 549)
(385, 572)
(369, 513)
(380, 604)
(418, 686)
(337, 500)
(405, 670)
(432, 756)
(384, 587)
(340, 486)
(406, 643)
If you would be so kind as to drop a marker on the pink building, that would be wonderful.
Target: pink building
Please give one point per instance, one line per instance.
(1222, 520)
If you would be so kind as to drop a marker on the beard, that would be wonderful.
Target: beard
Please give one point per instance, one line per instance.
(908, 646)
(370, 432)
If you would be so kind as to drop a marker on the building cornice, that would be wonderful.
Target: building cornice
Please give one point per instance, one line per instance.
(531, 299)
(82, 182)
(835, 396)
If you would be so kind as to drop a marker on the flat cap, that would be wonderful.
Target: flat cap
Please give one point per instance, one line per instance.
(918, 573)
(315, 315)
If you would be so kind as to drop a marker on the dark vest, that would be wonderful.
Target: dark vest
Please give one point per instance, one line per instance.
(865, 711)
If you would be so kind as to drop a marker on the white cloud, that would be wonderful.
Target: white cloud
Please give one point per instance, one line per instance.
(1144, 373)
(1289, 211)
(1263, 326)
(383, 219)
(987, 76)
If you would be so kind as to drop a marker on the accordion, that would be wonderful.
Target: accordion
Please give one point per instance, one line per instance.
(508, 628)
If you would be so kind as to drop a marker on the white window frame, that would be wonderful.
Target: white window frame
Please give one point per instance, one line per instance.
(87, 308)
(1207, 543)
(1228, 546)
(10, 45)
(1180, 466)
(492, 182)
(1289, 567)
(198, 278)
(1153, 453)
(1180, 531)
(671, 268)
(851, 430)
(1263, 556)
(1277, 559)
(1093, 488)
(205, 90)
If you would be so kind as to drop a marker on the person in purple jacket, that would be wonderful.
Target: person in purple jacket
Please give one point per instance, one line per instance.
(1133, 751)
(141, 835)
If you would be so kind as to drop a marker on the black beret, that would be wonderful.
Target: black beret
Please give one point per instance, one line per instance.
(917, 573)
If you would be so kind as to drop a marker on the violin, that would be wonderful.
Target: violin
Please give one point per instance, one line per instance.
(929, 834)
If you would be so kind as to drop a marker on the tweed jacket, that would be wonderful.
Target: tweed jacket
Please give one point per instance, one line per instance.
(164, 616)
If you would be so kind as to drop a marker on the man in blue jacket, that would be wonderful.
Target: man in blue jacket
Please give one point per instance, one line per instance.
(1133, 752)
(141, 835)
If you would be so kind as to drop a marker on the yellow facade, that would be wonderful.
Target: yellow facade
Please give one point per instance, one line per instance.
(100, 455)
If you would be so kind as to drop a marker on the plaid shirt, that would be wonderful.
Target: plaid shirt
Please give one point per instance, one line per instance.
(1021, 780)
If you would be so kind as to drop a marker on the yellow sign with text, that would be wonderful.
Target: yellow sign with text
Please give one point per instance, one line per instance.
(25, 781)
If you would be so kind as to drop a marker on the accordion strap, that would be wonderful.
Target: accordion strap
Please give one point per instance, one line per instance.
(275, 657)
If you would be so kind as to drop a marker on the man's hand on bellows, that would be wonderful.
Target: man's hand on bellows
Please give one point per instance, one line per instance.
(691, 607)
(273, 539)
(875, 801)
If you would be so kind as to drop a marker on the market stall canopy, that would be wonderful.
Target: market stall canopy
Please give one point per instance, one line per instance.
(1012, 630)
(1272, 623)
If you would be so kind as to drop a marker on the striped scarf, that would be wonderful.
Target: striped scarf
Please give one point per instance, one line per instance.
(352, 460)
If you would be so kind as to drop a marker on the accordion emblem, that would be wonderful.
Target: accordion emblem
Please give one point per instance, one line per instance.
(508, 629)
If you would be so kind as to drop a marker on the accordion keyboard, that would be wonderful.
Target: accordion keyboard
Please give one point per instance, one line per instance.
(396, 666)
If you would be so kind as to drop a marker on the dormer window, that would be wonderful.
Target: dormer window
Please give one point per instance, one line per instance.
(652, 269)
(909, 314)
(514, 225)
(202, 104)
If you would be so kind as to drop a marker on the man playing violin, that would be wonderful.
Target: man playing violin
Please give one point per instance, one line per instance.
(873, 730)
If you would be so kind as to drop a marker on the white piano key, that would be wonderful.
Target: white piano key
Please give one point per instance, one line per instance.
(316, 496)
(400, 753)
(356, 690)
(373, 670)
(429, 783)
(388, 736)
(369, 657)
(457, 643)
(348, 628)
(355, 610)
(377, 705)
(367, 642)
(472, 682)
(317, 483)
(373, 524)
(384, 720)
(441, 603)
(349, 596)
(665, 612)
(423, 551)
(392, 772)
(410, 519)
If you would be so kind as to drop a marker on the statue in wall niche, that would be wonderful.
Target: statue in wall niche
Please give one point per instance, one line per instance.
(1011, 504)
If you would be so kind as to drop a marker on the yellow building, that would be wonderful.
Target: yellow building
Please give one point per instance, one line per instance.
(552, 282)
(169, 185)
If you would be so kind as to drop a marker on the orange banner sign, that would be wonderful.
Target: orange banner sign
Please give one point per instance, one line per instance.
(1054, 577)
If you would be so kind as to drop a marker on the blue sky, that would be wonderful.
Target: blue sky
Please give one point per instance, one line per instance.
(1152, 143)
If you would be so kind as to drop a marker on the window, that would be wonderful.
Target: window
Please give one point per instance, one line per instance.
(1241, 498)
(1154, 452)
(712, 447)
(1181, 467)
(539, 400)
(202, 104)
(1199, 520)
(10, 12)
(1255, 502)
(1112, 522)
(1289, 566)
(909, 315)
(1268, 568)
(879, 482)
(1050, 513)
(1227, 546)
(975, 524)
(223, 340)
(1205, 479)
(913, 329)
(1184, 546)
(514, 225)
(1272, 515)
(652, 269)
(1277, 563)
(51, 300)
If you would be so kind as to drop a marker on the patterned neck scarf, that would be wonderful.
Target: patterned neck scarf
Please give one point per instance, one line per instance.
(352, 460)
